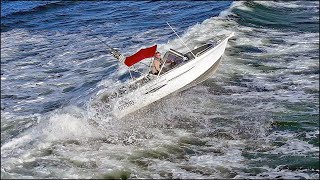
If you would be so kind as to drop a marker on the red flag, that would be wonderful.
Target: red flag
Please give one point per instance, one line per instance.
(140, 55)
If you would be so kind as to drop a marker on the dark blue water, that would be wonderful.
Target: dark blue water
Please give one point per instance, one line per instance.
(257, 117)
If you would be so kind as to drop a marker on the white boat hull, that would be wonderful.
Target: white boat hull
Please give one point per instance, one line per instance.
(181, 78)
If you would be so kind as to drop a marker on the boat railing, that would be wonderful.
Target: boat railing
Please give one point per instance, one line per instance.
(198, 51)
(209, 46)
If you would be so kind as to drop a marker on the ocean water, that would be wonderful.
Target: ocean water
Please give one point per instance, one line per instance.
(256, 118)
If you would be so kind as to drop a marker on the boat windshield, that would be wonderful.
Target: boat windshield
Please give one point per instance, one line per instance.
(173, 56)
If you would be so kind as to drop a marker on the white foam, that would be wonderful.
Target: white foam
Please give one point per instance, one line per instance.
(177, 172)
(237, 5)
(231, 159)
(291, 4)
(15, 143)
(234, 4)
(207, 30)
(66, 126)
(312, 134)
(296, 147)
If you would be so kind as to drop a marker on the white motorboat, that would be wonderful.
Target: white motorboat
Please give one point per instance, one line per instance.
(196, 66)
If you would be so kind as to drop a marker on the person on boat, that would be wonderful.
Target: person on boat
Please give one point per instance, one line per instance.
(157, 63)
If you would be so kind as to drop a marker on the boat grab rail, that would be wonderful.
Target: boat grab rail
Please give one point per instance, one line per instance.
(205, 50)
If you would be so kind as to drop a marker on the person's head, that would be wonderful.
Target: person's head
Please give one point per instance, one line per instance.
(157, 55)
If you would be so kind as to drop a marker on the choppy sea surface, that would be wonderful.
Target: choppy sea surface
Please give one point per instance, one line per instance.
(257, 117)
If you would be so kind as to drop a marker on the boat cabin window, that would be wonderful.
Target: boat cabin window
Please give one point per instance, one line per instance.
(173, 56)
